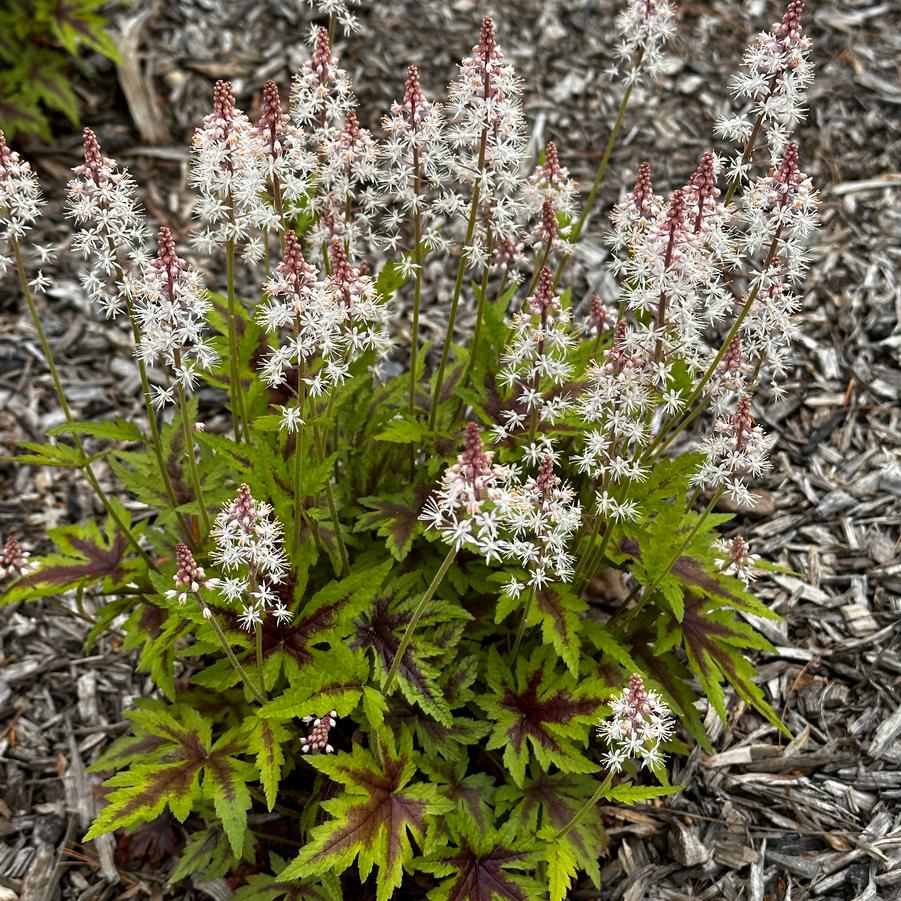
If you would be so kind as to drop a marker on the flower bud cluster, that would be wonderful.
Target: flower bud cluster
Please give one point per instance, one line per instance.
(13, 560)
(780, 211)
(189, 576)
(491, 511)
(229, 172)
(473, 491)
(110, 227)
(636, 212)
(737, 559)
(172, 310)
(672, 265)
(415, 160)
(321, 93)
(287, 162)
(550, 192)
(541, 518)
(622, 392)
(639, 724)
(248, 546)
(348, 159)
(318, 738)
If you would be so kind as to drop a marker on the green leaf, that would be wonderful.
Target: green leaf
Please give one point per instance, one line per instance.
(478, 869)
(62, 455)
(395, 518)
(225, 784)
(404, 431)
(85, 555)
(143, 791)
(207, 854)
(266, 739)
(558, 610)
(561, 864)
(115, 430)
(627, 793)
(333, 681)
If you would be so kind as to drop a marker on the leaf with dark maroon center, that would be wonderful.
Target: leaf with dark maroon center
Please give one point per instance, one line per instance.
(542, 712)
(477, 870)
(418, 682)
(86, 557)
(714, 641)
(553, 800)
(373, 819)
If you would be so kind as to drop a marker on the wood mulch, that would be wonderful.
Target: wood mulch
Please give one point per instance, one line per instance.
(762, 817)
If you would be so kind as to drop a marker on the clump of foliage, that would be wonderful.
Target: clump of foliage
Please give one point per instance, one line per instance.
(38, 41)
(374, 609)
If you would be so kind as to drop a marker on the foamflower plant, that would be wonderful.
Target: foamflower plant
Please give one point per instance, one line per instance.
(368, 575)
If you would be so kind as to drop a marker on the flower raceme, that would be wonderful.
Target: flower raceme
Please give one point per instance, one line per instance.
(639, 724)
(172, 311)
(228, 171)
(486, 128)
(776, 72)
(20, 196)
(110, 227)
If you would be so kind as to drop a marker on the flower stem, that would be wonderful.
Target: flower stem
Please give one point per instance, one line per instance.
(64, 404)
(598, 794)
(298, 465)
(461, 269)
(407, 637)
(417, 296)
(189, 450)
(480, 313)
(333, 511)
(155, 439)
(521, 631)
(257, 694)
(239, 414)
(598, 181)
(260, 667)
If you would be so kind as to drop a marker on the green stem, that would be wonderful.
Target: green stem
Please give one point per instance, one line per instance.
(189, 450)
(417, 296)
(417, 616)
(598, 794)
(260, 667)
(333, 511)
(257, 694)
(155, 439)
(598, 181)
(477, 330)
(64, 404)
(461, 269)
(521, 630)
(595, 559)
(665, 572)
(239, 414)
(298, 465)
